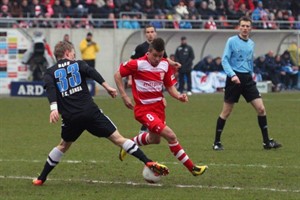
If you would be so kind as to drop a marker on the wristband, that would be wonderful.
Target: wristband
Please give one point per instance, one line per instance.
(53, 106)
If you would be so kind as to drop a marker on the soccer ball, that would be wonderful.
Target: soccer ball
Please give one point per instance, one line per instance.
(150, 176)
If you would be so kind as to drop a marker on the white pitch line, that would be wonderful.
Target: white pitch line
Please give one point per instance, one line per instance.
(157, 185)
(264, 166)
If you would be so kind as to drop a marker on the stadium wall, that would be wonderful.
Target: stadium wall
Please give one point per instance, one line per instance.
(117, 44)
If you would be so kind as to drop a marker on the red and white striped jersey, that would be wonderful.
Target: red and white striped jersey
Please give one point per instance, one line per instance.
(147, 80)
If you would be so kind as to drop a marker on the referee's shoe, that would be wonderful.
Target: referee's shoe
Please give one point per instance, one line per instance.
(272, 144)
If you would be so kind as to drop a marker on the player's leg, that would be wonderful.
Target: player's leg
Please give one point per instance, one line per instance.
(231, 96)
(155, 120)
(252, 95)
(102, 126)
(181, 82)
(53, 159)
(130, 147)
(262, 122)
(189, 83)
(179, 152)
(70, 132)
(144, 117)
(141, 139)
(225, 113)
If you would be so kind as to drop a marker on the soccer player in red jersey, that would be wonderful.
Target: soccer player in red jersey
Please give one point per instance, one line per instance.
(141, 49)
(149, 74)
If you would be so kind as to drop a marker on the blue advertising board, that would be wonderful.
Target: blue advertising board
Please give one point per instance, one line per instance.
(36, 88)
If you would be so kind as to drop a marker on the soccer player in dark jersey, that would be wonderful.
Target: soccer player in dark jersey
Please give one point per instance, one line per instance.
(237, 62)
(68, 95)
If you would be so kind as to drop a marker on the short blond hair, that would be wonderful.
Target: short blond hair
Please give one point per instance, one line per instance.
(60, 48)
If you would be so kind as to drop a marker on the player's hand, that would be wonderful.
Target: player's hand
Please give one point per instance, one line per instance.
(235, 79)
(54, 116)
(183, 98)
(127, 101)
(112, 92)
(177, 65)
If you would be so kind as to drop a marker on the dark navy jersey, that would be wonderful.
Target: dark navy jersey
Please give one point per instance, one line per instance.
(65, 83)
(141, 50)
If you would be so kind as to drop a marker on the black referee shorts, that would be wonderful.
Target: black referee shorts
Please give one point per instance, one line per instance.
(247, 88)
(96, 123)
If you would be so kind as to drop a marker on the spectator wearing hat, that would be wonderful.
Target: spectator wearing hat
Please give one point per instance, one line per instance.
(89, 49)
(184, 54)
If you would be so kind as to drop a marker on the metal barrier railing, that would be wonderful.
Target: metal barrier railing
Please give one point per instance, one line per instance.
(100, 23)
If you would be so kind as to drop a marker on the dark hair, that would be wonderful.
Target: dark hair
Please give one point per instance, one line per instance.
(149, 26)
(245, 18)
(60, 49)
(157, 44)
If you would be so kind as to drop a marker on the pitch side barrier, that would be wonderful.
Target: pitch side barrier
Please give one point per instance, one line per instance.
(116, 45)
(205, 42)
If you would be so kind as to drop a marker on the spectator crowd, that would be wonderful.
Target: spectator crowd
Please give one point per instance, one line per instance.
(132, 14)
(281, 69)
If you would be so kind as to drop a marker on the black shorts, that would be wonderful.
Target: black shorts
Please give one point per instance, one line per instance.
(247, 88)
(97, 124)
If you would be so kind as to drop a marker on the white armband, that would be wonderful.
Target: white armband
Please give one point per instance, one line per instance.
(53, 106)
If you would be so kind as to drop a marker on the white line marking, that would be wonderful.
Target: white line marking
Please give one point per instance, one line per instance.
(264, 166)
(156, 185)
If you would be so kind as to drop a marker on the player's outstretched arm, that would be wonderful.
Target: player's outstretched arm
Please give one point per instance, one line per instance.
(175, 94)
(126, 99)
(110, 90)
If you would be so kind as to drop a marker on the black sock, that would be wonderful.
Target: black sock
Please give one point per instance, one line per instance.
(52, 160)
(140, 155)
(130, 147)
(219, 129)
(262, 121)
(47, 169)
(144, 128)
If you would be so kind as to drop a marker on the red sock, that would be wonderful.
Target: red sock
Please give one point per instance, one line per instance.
(141, 139)
(180, 154)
